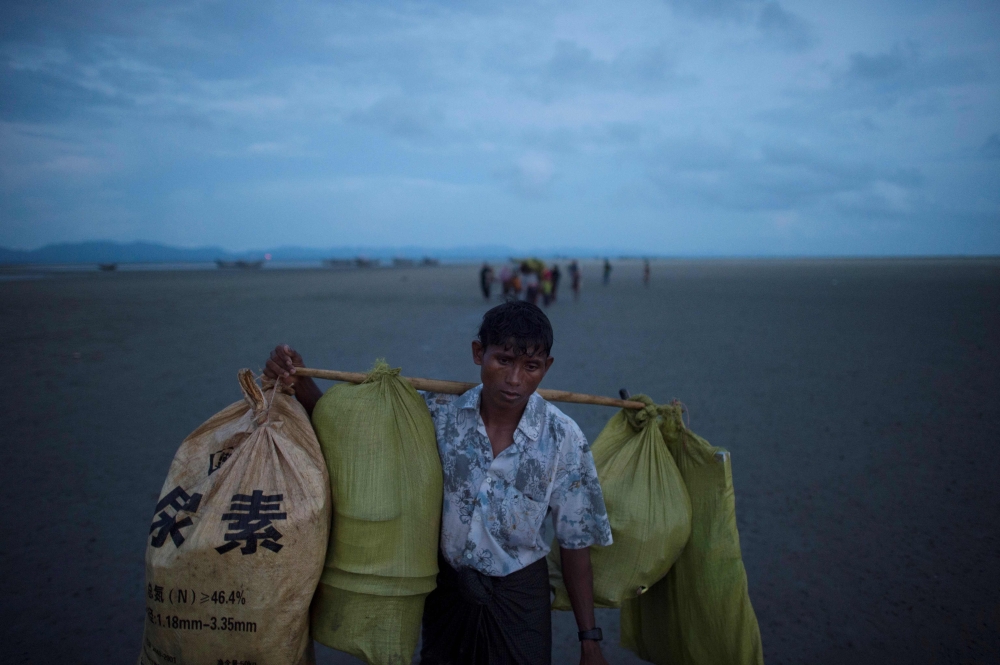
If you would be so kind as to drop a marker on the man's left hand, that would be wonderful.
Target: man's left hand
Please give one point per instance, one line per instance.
(590, 653)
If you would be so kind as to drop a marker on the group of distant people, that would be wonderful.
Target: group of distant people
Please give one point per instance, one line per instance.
(532, 278)
(536, 280)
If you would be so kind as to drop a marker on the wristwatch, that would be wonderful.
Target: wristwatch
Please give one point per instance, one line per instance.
(592, 634)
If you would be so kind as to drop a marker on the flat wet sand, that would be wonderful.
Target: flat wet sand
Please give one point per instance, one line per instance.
(859, 399)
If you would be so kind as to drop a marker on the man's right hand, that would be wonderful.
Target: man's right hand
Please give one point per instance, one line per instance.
(282, 363)
(281, 367)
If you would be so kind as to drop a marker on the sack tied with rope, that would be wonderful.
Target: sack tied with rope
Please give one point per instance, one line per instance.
(236, 543)
(385, 476)
(647, 504)
(700, 613)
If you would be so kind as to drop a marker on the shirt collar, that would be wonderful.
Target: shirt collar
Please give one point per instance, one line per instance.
(531, 420)
(470, 398)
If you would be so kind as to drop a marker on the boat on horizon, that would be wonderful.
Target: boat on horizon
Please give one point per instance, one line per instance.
(240, 265)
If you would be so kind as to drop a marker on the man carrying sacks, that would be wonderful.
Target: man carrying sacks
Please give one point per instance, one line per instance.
(508, 458)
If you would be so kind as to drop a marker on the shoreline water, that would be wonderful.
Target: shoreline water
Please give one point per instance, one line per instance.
(13, 271)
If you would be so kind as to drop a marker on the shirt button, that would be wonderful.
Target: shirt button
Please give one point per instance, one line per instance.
(468, 555)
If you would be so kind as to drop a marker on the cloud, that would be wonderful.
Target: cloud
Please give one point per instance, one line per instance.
(785, 28)
(782, 177)
(872, 94)
(531, 176)
(43, 95)
(991, 147)
(777, 25)
(573, 68)
(878, 199)
(728, 9)
(401, 117)
(904, 69)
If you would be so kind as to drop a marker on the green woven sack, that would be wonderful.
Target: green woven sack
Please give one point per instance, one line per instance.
(700, 613)
(385, 479)
(648, 508)
(376, 629)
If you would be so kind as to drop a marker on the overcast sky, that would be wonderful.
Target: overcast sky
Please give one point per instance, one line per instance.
(662, 127)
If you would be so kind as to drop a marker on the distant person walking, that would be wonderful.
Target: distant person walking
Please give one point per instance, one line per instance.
(530, 283)
(607, 272)
(574, 278)
(546, 286)
(506, 281)
(486, 280)
(556, 276)
(645, 272)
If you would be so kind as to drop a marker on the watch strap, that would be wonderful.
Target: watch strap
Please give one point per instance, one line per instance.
(592, 634)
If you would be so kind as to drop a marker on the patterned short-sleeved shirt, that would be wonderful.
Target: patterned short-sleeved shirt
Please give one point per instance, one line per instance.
(494, 508)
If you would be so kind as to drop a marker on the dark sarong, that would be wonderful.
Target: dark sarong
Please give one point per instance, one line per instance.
(475, 619)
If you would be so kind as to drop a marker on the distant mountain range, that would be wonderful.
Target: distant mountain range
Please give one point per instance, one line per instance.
(111, 252)
(149, 252)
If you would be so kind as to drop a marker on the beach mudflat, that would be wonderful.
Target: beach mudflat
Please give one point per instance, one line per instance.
(859, 399)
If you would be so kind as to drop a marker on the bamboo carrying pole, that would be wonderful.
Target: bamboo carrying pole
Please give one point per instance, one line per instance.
(459, 387)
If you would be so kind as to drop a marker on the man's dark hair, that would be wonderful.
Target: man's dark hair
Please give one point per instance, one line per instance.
(518, 325)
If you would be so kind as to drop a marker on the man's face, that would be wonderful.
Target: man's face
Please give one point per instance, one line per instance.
(509, 378)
